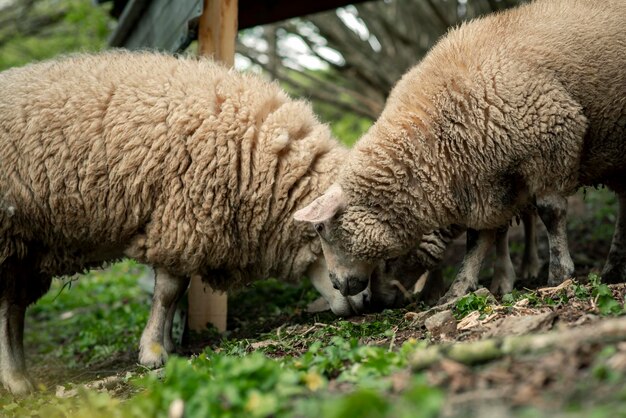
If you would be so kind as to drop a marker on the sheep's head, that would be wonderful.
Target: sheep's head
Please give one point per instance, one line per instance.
(339, 304)
(355, 238)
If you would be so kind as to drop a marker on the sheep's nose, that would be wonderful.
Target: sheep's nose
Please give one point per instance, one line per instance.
(354, 285)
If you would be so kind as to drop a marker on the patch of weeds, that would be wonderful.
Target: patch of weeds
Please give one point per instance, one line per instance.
(88, 319)
(348, 361)
(534, 299)
(601, 293)
(224, 385)
(581, 292)
(603, 296)
(560, 298)
(419, 399)
(601, 370)
(469, 304)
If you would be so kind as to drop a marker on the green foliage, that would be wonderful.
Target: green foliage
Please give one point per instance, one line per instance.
(602, 204)
(346, 126)
(601, 370)
(534, 299)
(470, 303)
(420, 399)
(602, 296)
(606, 303)
(220, 386)
(224, 385)
(91, 318)
(291, 374)
(84, 27)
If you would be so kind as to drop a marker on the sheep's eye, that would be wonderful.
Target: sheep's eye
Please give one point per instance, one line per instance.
(319, 228)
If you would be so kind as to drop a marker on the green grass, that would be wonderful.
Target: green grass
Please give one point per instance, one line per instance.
(600, 293)
(224, 385)
(88, 320)
(84, 322)
(305, 366)
(471, 303)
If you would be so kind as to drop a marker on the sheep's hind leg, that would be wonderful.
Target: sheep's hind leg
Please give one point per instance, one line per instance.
(553, 213)
(503, 272)
(614, 270)
(12, 363)
(467, 278)
(167, 290)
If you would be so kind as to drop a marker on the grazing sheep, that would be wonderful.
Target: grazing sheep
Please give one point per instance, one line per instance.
(179, 163)
(391, 280)
(526, 103)
(394, 277)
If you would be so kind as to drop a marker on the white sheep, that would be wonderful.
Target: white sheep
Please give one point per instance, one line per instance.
(181, 164)
(393, 278)
(524, 103)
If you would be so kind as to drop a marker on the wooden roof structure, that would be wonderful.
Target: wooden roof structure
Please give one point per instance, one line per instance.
(171, 25)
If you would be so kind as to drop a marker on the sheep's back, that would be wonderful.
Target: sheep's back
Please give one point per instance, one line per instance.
(175, 161)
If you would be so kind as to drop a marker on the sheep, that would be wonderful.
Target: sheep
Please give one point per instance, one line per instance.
(516, 105)
(181, 164)
(391, 280)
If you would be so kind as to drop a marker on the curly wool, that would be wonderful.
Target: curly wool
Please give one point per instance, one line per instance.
(177, 162)
(523, 103)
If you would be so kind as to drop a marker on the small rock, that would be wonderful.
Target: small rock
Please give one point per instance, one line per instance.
(411, 316)
(519, 325)
(62, 393)
(483, 291)
(441, 324)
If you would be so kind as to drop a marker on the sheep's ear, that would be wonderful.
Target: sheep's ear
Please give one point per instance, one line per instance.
(324, 207)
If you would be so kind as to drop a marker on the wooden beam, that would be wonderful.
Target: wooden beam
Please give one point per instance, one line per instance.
(217, 30)
(217, 33)
(262, 12)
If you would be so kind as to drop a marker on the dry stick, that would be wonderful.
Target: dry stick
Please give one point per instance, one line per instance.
(607, 331)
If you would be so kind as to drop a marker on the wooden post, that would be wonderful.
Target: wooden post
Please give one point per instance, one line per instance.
(217, 33)
(217, 30)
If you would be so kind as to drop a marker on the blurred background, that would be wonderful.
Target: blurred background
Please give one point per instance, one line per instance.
(344, 60)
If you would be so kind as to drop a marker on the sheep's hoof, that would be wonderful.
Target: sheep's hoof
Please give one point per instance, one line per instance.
(530, 271)
(556, 277)
(18, 384)
(152, 355)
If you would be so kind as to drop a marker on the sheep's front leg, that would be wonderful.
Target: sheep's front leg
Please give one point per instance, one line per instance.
(503, 272)
(553, 213)
(478, 245)
(167, 290)
(531, 265)
(614, 270)
(12, 364)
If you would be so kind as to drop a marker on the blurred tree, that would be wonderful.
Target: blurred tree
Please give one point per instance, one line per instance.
(360, 51)
(36, 29)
